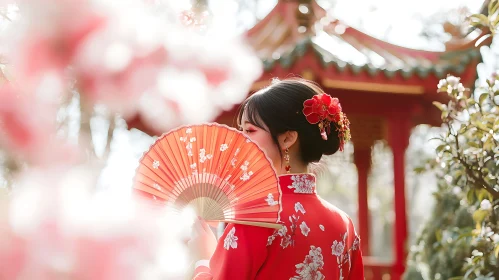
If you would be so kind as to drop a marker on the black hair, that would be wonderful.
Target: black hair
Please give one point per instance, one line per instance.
(279, 108)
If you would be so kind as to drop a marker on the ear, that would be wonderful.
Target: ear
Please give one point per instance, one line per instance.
(287, 139)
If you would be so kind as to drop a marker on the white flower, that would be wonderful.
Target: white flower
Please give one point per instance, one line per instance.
(337, 248)
(188, 130)
(456, 190)
(244, 167)
(230, 240)
(495, 238)
(442, 83)
(183, 139)
(453, 81)
(302, 184)
(304, 228)
(193, 166)
(485, 205)
(460, 88)
(224, 147)
(282, 231)
(193, 139)
(309, 268)
(270, 240)
(203, 156)
(270, 200)
(299, 208)
(321, 227)
(155, 164)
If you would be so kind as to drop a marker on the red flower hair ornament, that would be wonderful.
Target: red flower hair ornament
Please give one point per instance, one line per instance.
(323, 109)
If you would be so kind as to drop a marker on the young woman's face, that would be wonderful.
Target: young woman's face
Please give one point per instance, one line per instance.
(263, 138)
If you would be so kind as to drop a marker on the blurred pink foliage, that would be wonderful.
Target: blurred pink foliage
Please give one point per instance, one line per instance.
(127, 57)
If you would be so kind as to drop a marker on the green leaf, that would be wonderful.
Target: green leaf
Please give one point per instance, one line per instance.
(492, 8)
(438, 235)
(496, 251)
(482, 97)
(440, 106)
(473, 144)
(479, 18)
(480, 215)
(470, 196)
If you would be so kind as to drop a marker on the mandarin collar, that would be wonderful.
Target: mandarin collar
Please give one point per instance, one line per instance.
(302, 183)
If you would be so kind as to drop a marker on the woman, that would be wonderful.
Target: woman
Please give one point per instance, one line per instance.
(296, 123)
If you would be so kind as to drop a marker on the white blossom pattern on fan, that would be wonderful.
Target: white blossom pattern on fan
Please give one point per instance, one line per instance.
(310, 268)
(155, 164)
(223, 147)
(203, 156)
(270, 200)
(233, 161)
(189, 149)
(299, 208)
(302, 184)
(157, 186)
(183, 139)
(304, 228)
(188, 130)
(194, 169)
(230, 240)
(248, 140)
(246, 175)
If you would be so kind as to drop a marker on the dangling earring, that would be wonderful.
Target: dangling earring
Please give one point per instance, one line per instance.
(286, 158)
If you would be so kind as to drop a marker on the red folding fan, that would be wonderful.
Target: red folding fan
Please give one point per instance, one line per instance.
(216, 170)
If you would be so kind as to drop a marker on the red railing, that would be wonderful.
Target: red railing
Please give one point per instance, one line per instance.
(377, 270)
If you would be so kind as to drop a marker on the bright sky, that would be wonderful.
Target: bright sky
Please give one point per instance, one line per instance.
(397, 21)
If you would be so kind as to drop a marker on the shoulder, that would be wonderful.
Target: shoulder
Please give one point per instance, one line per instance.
(335, 211)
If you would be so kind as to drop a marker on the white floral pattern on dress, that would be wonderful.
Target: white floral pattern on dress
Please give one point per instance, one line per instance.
(155, 164)
(230, 240)
(304, 228)
(302, 184)
(321, 227)
(310, 268)
(270, 200)
(342, 256)
(299, 208)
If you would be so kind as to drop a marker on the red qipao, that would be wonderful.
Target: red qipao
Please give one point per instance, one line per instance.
(318, 241)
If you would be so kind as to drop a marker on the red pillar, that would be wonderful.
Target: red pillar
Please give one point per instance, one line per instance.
(362, 159)
(399, 132)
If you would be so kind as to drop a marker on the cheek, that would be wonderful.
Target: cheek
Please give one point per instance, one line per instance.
(265, 142)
